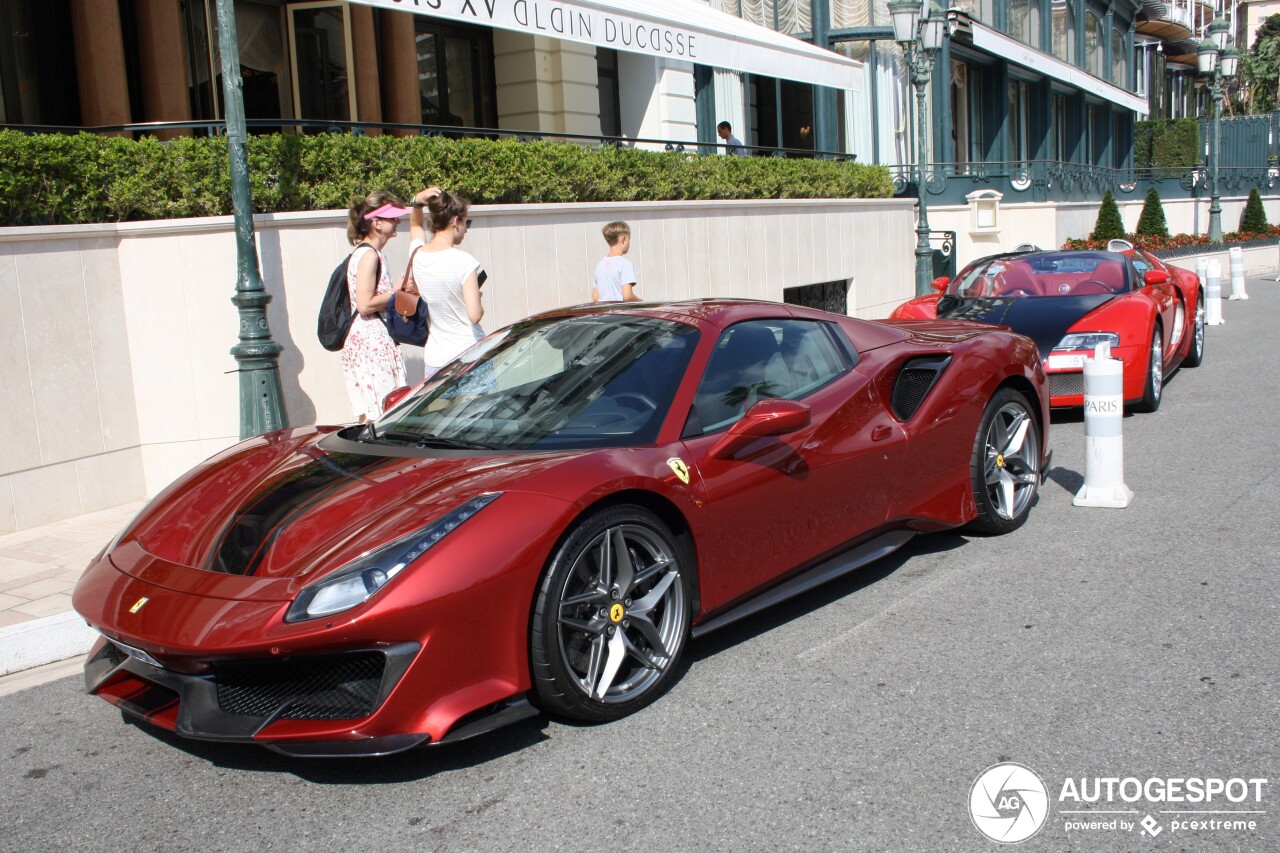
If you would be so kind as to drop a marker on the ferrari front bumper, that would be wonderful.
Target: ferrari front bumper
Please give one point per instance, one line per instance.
(236, 701)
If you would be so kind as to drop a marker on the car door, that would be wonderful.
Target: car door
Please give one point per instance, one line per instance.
(1165, 298)
(784, 500)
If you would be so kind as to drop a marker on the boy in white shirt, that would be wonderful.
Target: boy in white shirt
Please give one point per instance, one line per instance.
(615, 277)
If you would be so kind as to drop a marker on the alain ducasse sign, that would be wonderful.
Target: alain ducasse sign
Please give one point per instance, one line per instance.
(693, 33)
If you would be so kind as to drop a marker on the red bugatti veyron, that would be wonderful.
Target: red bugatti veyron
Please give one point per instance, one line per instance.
(1150, 313)
(544, 525)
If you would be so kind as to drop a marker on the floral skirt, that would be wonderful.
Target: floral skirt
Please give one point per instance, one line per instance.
(372, 365)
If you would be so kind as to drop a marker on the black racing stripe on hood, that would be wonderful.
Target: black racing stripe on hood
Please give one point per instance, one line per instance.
(256, 525)
(1044, 319)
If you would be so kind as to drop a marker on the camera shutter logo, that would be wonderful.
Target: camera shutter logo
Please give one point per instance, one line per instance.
(1008, 803)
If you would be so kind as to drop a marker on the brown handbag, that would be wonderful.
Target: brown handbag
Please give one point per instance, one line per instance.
(407, 321)
(407, 296)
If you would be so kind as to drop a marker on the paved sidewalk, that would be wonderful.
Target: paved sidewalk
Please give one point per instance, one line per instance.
(39, 568)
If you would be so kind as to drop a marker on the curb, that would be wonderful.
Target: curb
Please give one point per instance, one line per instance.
(43, 641)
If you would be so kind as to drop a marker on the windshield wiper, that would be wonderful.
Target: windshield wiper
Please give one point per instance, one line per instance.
(430, 440)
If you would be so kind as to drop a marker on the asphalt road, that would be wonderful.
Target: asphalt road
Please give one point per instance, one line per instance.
(1091, 643)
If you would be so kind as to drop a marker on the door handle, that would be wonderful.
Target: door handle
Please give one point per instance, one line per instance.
(880, 433)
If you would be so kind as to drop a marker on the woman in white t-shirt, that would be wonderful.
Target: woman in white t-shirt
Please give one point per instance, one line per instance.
(446, 276)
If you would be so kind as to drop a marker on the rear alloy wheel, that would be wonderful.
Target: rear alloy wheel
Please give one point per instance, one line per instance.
(611, 616)
(1153, 388)
(1006, 464)
(1195, 354)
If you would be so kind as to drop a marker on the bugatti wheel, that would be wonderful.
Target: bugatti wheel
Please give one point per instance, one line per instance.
(1153, 388)
(611, 616)
(1006, 464)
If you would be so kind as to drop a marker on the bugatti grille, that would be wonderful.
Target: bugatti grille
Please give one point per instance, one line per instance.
(1066, 384)
(335, 687)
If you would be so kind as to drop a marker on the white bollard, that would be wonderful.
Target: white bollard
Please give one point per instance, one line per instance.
(1103, 444)
(1237, 273)
(1213, 295)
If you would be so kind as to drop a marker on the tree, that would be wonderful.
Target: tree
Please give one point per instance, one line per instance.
(1152, 223)
(1254, 218)
(1109, 225)
(1260, 68)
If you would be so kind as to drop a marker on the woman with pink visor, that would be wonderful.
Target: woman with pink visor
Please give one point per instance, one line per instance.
(371, 361)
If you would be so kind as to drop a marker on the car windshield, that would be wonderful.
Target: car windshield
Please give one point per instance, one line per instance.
(591, 380)
(1043, 274)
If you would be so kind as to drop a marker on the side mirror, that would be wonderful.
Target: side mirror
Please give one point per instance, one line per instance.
(765, 418)
(389, 402)
(940, 283)
(1155, 277)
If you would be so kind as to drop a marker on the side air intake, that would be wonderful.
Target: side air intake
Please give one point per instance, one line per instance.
(914, 381)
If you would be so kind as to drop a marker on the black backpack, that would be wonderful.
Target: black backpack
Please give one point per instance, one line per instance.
(336, 312)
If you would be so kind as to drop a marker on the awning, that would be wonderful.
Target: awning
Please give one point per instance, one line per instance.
(1001, 45)
(672, 29)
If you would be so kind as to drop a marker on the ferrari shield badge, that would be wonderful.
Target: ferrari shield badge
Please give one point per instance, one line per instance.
(681, 470)
(139, 604)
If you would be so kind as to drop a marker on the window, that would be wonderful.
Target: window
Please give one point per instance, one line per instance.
(781, 113)
(763, 359)
(1121, 144)
(607, 86)
(1061, 150)
(36, 84)
(1064, 31)
(1019, 121)
(1093, 144)
(1119, 56)
(1024, 21)
(983, 10)
(960, 112)
(455, 74)
(1093, 48)
(319, 35)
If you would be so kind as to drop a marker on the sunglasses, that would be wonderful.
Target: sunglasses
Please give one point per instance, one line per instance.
(467, 222)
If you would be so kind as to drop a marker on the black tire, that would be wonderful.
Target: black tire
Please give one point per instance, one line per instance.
(1005, 467)
(1195, 353)
(600, 651)
(1153, 387)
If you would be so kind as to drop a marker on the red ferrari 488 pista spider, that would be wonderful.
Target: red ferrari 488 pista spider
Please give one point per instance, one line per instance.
(1150, 313)
(544, 525)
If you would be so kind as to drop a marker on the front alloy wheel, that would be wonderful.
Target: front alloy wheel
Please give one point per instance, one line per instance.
(1154, 386)
(611, 616)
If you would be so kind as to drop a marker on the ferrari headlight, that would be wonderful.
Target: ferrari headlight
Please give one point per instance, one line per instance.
(356, 582)
(1087, 340)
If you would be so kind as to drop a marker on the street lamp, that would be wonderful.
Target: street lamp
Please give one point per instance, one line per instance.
(1217, 59)
(920, 37)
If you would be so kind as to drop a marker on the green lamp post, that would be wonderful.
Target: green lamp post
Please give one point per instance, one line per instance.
(1217, 59)
(257, 355)
(920, 38)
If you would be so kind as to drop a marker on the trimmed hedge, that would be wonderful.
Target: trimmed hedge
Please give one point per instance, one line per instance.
(49, 179)
(1166, 144)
